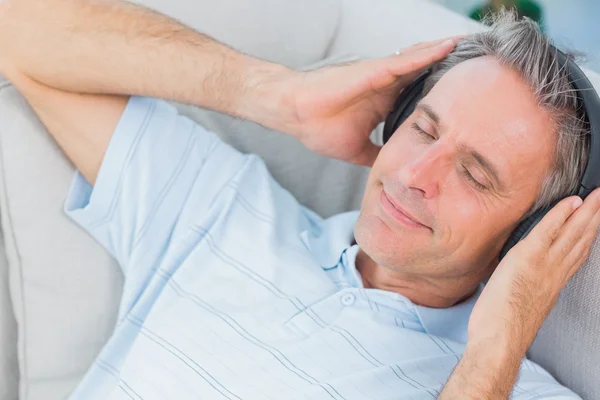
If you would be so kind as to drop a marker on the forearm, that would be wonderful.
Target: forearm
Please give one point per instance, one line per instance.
(486, 371)
(105, 46)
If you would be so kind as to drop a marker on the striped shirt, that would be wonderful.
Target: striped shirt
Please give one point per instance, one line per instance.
(233, 290)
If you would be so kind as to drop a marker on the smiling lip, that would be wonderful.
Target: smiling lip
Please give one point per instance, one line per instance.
(398, 214)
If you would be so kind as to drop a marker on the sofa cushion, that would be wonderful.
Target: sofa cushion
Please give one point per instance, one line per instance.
(9, 367)
(292, 33)
(379, 28)
(568, 344)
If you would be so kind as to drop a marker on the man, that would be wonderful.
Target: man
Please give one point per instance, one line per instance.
(233, 290)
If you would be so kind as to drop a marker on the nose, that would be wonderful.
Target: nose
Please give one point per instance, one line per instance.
(426, 172)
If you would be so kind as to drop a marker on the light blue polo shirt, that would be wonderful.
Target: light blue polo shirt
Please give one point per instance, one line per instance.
(233, 290)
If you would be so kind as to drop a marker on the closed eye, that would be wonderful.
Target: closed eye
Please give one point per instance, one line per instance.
(422, 131)
(468, 175)
(465, 172)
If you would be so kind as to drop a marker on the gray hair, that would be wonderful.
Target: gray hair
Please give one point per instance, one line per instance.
(522, 46)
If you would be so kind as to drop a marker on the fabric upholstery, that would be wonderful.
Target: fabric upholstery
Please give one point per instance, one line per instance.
(65, 289)
(293, 33)
(568, 344)
(382, 27)
(9, 367)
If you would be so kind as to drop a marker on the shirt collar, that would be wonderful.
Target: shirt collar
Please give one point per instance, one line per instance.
(451, 322)
(330, 239)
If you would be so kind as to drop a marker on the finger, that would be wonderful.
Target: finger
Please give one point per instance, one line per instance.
(581, 250)
(580, 253)
(409, 77)
(430, 43)
(593, 228)
(413, 61)
(546, 231)
(421, 45)
(575, 227)
(368, 156)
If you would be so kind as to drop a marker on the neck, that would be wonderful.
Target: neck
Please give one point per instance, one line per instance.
(429, 291)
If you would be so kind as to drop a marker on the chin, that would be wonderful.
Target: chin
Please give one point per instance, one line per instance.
(384, 246)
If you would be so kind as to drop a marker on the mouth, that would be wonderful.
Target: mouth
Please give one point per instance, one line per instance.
(398, 214)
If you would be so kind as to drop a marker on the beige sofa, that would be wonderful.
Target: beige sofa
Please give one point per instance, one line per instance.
(59, 291)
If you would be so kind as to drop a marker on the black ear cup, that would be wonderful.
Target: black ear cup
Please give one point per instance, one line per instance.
(404, 106)
(521, 231)
(525, 227)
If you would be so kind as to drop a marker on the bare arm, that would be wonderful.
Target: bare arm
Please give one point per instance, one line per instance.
(487, 371)
(115, 47)
(81, 124)
(77, 61)
(85, 55)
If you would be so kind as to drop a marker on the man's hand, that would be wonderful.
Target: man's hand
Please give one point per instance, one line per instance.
(526, 283)
(519, 297)
(119, 48)
(335, 109)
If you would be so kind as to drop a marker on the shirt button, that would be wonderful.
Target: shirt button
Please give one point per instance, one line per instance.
(348, 299)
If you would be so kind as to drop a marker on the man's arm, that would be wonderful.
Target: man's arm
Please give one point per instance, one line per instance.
(81, 124)
(115, 47)
(77, 61)
(486, 371)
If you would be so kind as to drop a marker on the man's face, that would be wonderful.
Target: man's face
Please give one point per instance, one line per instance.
(467, 164)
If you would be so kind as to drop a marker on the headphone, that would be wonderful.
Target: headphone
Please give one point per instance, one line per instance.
(587, 98)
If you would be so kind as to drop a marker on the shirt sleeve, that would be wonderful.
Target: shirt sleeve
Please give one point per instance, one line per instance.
(536, 383)
(155, 158)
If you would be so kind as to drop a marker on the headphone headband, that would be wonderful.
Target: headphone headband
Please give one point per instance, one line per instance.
(588, 99)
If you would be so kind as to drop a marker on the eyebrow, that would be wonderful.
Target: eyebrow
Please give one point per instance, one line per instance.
(483, 161)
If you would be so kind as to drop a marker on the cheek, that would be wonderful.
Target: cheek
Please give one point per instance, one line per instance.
(469, 225)
(461, 213)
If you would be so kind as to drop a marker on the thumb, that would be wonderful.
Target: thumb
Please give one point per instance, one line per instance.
(367, 156)
(549, 227)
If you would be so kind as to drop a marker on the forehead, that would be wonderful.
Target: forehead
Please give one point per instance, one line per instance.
(488, 106)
